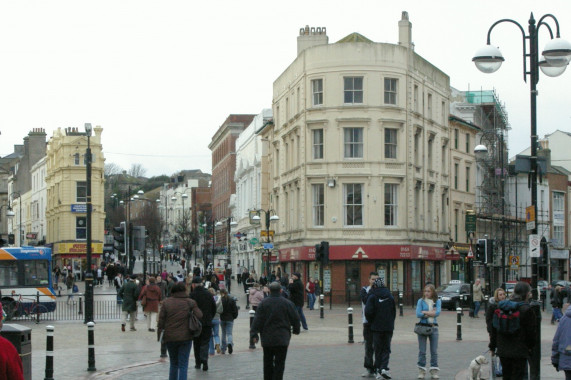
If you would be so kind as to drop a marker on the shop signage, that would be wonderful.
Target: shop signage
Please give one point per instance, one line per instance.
(80, 208)
(78, 248)
(558, 254)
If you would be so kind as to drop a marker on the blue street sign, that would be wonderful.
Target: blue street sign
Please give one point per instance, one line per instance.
(268, 245)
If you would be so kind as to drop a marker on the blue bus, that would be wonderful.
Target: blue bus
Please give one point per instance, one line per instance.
(26, 272)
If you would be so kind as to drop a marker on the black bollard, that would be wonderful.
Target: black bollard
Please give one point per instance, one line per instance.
(252, 314)
(400, 304)
(49, 353)
(80, 312)
(37, 308)
(91, 346)
(535, 356)
(350, 316)
(321, 300)
(459, 323)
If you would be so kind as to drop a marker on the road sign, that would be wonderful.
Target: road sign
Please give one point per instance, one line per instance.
(514, 262)
(470, 222)
(470, 253)
(254, 241)
(326, 280)
(534, 245)
(530, 218)
(265, 233)
(268, 245)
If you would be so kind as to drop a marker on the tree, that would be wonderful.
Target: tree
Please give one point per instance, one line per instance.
(154, 225)
(111, 169)
(185, 234)
(137, 171)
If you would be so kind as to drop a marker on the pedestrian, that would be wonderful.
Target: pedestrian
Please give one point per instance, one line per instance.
(367, 333)
(381, 310)
(207, 305)
(227, 317)
(248, 283)
(10, 362)
(318, 290)
(228, 279)
(295, 289)
(129, 294)
(275, 320)
(57, 274)
(561, 348)
(173, 327)
(152, 296)
(513, 348)
(556, 304)
(163, 286)
(499, 295)
(69, 283)
(245, 275)
(428, 309)
(272, 276)
(263, 279)
(110, 273)
(214, 343)
(310, 289)
(478, 296)
(118, 282)
(100, 277)
(256, 296)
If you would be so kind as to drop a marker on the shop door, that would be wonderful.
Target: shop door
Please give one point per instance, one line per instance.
(352, 281)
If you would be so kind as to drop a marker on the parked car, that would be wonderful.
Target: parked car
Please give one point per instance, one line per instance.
(454, 295)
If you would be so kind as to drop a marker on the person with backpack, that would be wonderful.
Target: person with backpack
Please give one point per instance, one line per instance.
(499, 295)
(560, 350)
(513, 332)
(227, 317)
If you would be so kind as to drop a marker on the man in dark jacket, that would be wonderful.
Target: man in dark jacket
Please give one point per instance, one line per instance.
(129, 293)
(295, 289)
(274, 320)
(381, 312)
(207, 305)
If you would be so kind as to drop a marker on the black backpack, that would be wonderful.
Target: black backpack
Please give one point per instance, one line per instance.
(507, 320)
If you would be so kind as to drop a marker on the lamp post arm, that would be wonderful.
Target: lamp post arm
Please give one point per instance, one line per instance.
(540, 23)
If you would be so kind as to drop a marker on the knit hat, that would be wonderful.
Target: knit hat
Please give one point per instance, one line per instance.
(379, 283)
(296, 274)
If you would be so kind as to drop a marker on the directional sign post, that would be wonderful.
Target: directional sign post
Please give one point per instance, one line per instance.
(268, 245)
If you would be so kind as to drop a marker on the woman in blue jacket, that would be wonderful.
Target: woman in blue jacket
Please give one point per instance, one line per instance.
(561, 349)
(427, 309)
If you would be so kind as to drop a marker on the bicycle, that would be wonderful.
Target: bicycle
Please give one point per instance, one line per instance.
(23, 307)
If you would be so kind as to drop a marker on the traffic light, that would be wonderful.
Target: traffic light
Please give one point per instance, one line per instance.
(119, 238)
(489, 251)
(318, 252)
(11, 239)
(544, 251)
(481, 249)
(325, 252)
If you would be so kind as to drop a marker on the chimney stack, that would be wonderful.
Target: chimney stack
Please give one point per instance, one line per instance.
(405, 31)
(310, 37)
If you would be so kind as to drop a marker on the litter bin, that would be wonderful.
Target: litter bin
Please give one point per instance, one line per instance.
(21, 337)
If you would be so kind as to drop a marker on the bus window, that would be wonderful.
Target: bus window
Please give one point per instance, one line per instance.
(8, 273)
(35, 273)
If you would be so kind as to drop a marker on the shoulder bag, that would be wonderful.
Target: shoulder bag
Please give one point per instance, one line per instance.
(423, 329)
(194, 325)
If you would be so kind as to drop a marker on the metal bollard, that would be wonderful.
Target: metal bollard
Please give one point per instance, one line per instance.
(321, 301)
(91, 346)
(80, 312)
(350, 316)
(252, 314)
(400, 304)
(459, 323)
(49, 353)
(37, 309)
(247, 300)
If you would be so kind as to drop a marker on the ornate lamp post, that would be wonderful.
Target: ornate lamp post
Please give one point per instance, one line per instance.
(88, 272)
(269, 219)
(230, 222)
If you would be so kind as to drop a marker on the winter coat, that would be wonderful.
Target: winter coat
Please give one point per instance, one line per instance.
(129, 292)
(478, 294)
(381, 310)
(274, 320)
(518, 344)
(229, 309)
(173, 318)
(154, 296)
(206, 303)
(219, 309)
(296, 292)
(421, 306)
(492, 306)
(561, 348)
(256, 296)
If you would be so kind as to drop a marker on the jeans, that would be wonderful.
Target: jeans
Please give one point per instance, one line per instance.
(201, 345)
(369, 351)
(178, 355)
(274, 362)
(476, 308)
(302, 317)
(556, 314)
(433, 349)
(226, 327)
(215, 338)
(382, 345)
(311, 297)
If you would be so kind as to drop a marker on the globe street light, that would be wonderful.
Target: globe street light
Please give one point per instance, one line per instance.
(556, 54)
(269, 219)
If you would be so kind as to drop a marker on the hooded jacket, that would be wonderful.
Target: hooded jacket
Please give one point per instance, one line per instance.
(276, 319)
(380, 310)
(518, 344)
(561, 348)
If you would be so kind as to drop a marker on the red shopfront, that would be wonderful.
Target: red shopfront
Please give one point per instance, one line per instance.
(405, 268)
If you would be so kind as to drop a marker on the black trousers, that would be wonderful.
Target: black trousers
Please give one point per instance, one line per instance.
(369, 351)
(382, 346)
(513, 368)
(200, 345)
(274, 362)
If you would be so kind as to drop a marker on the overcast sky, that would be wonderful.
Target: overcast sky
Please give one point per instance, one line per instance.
(161, 76)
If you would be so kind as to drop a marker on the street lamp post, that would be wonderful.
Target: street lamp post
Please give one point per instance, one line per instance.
(555, 58)
(269, 218)
(229, 224)
(88, 272)
(159, 200)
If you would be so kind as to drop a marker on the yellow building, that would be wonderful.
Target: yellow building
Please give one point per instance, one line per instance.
(66, 210)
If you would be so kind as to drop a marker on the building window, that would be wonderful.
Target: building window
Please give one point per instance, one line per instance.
(76, 159)
(81, 190)
(415, 105)
(444, 153)
(456, 176)
(391, 204)
(558, 213)
(353, 92)
(456, 220)
(318, 204)
(467, 143)
(317, 89)
(317, 144)
(81, 228)
(429, 106)
(429, 153)
(456, 137)
(443, 116)
(353, 142)
(390, 91)
(353, 204)
(417, 148)
(390, 143)
(467, 179)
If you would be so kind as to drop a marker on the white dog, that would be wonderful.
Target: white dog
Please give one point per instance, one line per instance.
(475, 371)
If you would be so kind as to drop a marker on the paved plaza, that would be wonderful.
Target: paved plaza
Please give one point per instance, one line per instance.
(322, 352)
